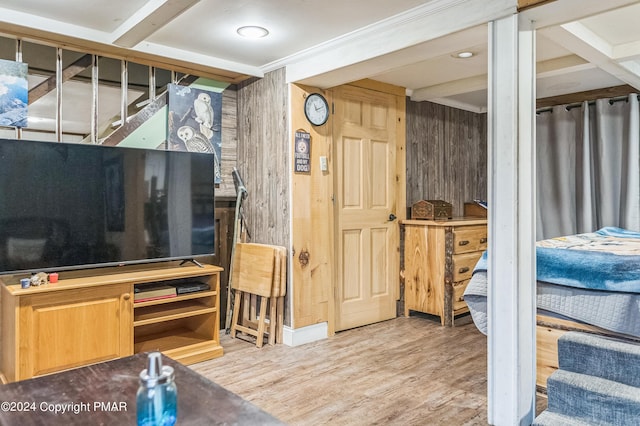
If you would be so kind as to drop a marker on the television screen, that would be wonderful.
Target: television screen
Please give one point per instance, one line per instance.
(65, 206)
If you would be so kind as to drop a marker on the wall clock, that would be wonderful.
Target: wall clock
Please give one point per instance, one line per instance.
(316, 109)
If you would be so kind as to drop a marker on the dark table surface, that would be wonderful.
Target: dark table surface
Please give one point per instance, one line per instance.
(105, 394)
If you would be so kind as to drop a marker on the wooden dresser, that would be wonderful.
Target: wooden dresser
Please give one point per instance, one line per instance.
(439, 258)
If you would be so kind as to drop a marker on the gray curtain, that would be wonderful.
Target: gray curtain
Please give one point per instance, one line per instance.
(588, 167)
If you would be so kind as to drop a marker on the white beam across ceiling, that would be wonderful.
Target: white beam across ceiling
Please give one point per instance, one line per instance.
(560, 12)
(198, 58)
(633, 67)
(459, 105)
(583, 42)
(148, 19)
(399, 59)
(336, 62)
(561, 66)
(464, 85)
(549, 68)
(12, 17)
(56, 30)
(627, 51)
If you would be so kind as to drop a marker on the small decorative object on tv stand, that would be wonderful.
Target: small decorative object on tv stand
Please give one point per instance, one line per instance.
(477, 208)
(96, 317)
(431, 209)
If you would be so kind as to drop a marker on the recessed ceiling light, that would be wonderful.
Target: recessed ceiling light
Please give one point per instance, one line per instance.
(464, 55)
(252, 31)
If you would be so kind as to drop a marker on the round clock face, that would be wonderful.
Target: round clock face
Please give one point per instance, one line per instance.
(316, 109)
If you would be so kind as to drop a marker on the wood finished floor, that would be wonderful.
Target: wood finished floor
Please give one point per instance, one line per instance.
(405, 371)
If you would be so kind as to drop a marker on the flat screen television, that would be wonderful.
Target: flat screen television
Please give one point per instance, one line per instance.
(70, 205)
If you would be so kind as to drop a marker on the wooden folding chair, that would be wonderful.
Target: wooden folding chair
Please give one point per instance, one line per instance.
(258, 270)
(276, 302)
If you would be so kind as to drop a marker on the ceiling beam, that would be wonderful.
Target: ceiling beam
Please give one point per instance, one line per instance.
(561, 66)
(550, 68)
(171, 59)
(583, 42)
(627, 51)
(453, 103)
(336, 62)
(451, 88)
(559, 12)
(154, 15)
(82, 39)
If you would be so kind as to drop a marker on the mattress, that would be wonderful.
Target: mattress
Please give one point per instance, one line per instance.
(618, 312)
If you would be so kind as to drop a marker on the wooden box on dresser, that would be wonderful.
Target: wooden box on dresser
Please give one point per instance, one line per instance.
(82, 320)
(439, 257)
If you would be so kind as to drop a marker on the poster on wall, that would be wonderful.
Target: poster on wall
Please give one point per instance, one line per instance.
(302, 152)
(14, 93)
(195, 122)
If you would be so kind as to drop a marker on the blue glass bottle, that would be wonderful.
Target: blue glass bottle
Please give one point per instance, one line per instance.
(157, 397)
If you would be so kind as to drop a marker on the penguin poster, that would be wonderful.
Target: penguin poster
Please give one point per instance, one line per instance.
(194, 122)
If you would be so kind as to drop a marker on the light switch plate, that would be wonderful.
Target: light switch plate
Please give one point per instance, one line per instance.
(323, 164)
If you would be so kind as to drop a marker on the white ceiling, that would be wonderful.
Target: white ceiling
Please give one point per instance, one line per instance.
(581, 44)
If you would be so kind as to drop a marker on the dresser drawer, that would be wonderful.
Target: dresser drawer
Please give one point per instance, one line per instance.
(463, 265)
(458, 295)
(469, 238)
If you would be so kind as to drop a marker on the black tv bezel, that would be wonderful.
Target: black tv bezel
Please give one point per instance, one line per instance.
(114, 264)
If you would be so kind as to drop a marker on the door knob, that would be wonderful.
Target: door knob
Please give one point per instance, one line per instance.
(392, 217)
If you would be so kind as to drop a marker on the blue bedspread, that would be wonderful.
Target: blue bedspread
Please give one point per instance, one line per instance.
(608, 259)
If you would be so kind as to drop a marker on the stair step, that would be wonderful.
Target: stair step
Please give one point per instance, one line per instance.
(600, 356)
(547, 418)
(593, 399)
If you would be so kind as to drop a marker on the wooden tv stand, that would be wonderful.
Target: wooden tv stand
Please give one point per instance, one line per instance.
(89, 319)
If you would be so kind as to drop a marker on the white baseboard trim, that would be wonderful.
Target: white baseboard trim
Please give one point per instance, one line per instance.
(300, 336)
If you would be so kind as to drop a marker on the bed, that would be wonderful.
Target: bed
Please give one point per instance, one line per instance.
(587, 282)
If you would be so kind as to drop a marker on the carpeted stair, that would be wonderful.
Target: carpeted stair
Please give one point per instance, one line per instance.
(597, 383)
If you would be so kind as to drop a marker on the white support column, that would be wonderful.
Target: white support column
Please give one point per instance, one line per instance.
(511, 292)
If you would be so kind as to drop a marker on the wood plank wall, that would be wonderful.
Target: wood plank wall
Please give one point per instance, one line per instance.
(446, 154)
(263, 156)
(263, 159)
(229, 140)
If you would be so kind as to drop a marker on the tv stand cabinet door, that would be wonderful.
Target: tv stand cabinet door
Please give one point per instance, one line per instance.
(70, 328)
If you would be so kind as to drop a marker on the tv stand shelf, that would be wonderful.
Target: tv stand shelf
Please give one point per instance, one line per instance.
(194, 295)
(171, 340)
(166, 312)
(97, 317)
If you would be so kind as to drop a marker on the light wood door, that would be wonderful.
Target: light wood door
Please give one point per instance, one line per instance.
(367, 235)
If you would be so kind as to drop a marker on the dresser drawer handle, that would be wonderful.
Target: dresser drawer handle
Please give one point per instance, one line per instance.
(463, 243)
(483, 240)
(463, 270)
